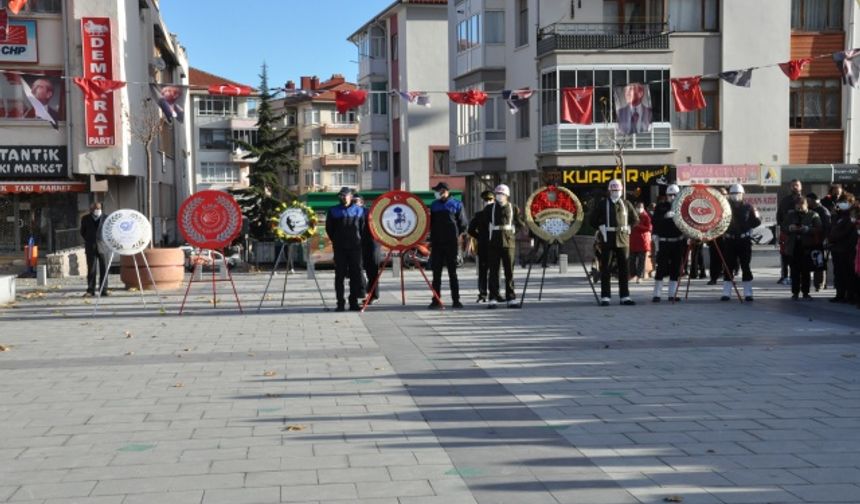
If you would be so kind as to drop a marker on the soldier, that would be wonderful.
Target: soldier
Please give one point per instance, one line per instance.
(369, 250)
(345, 225)
(479, 229)
(447, 224)
(503, 220)
(737, 242)
(614, 217)
(670, 246)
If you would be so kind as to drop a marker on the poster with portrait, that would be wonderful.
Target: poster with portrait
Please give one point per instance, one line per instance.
(171, 101)
(33, 97)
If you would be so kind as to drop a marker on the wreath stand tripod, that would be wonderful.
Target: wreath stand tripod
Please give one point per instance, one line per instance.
(139, 283)
(198, 266)
(547, 247)
(288, 265)
(398, 254)
(730, 274)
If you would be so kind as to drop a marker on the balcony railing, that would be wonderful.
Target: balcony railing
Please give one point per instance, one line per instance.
(340, 160)
(340, 128)
(588, 36)
(570, 138)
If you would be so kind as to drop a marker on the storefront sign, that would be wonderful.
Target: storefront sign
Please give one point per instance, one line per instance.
(18, 41)
(33, 162)
(771, 176)
(98, 64)
(766, 204)
(721, 175)
(41, 187)
(602, 175)
(846, 174)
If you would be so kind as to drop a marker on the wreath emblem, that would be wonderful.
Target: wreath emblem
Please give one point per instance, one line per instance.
(554, 214)
(296, 222)
(210, 219)
(126, 232)
(398, 220)
(701, 212)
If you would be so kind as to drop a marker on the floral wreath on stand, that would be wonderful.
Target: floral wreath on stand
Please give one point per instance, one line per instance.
(295, 222)
(554, 214)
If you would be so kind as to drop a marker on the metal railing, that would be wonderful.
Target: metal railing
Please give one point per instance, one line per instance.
(590, 36)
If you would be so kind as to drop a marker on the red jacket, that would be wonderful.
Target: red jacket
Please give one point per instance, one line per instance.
(640, 237)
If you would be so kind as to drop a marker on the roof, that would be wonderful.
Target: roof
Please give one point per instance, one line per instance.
(385, 11)
(197, 77)
(326, 92)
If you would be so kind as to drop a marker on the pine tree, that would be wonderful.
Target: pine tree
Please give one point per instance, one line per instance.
(276, 154)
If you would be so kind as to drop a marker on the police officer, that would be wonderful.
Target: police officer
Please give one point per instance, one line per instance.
(670, 246)
(503, 221)
(479, 229)
(614, 216)
(447, 223)
(737, 242)
(369, 249)
(345, 226)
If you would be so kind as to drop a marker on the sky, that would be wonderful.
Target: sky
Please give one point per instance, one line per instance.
(294, 37)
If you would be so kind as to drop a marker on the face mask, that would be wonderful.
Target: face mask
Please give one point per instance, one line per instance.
(736, 197)
(501, 199)
(670, 197)
(437, 195)
(615, 196)
(97, 213)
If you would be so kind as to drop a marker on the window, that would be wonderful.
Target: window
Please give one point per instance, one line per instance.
(706, 118)
(348, 118)
(218, 173)
(311, 116)
(816, 15)
(343, 178)
(251, 107)
(494, 27)
(217, 106)
(39, 6)
(312, 148)
(375, 161)
(549, 100)
(249, 136)
(441, 163)
(694, 15)
(378, 101)
(290, 119)
(522, 22)
(343, 145)
(49, 89)
(313, 178)
(469, 33)
(377, 43)
(815, 104)
(216, 139)
(523, 121)
(495, 112)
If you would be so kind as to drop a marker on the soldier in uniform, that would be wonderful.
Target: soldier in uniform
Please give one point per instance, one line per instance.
(479, 229)
(614, 216)
(369, 250)
(503, 220)
(447, 223)
(345, 225)
(670, 246)
(737, 242)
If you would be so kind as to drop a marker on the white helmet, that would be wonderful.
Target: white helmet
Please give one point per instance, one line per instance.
(615, 185)
(503, 189)
(736, 189)
(673, 189)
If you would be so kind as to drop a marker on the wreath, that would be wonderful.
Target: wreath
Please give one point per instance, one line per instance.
(554, 214)
(294, 222)
(701, 212)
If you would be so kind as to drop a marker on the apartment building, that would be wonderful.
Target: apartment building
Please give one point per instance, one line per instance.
(48, 176)
(796, 126)
(219, 124)
(328, 158)
(402, 145)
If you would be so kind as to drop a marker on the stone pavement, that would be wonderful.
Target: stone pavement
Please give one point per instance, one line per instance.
(561, 402)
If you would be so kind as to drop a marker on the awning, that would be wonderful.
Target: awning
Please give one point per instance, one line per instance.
(30, 187)
(809, 173)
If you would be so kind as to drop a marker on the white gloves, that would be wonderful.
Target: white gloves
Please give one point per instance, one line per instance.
(670, 214)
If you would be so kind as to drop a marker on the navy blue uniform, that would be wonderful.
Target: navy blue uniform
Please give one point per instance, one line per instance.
(447, 223)
(369, 248)
(345, 227)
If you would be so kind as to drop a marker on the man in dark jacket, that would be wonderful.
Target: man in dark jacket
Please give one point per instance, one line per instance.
(671, 246)
(819, 262)
(504, 219)
(91, 224)
(345, 226)
(479, 229)
(369, 250)
(843, 246)
(614, 217)
(447, 223)
(737, 243)
(803, 228)
(786, 204)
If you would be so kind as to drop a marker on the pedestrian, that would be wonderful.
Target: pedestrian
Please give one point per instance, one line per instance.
(91, 232)
(785, 205)
(843, 243)
(345, 226)
(833, 196)
(614, 217)
(504, 218)
(369, 252)
(447, 224)
(819, 255)
(715, 264)
(803, 229)
(737, 243)
(479, 230)
(640, 244)
(671, 246)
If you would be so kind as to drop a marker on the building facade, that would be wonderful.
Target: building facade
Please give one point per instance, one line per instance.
(49, 177)
(549, 45)
(219, 124)
(404, 146)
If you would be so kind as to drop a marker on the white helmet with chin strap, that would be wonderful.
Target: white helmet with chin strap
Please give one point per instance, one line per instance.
(673, 190)
(503, 189)
(736, 192)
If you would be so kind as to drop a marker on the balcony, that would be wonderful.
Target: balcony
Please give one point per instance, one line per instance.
(340, 129)
(330, 160)
(590, 36)
(571, 138)
(477, 146)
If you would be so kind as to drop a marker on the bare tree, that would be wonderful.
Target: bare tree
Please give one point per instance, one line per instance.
(619, 142)
(145, 128)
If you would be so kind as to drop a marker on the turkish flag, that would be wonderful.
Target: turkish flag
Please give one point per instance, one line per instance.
(577, 105)
(470, 97)
(229, 90)
(345, 100)
(16, 5)
(793, 68)
(95, 88)
(688, 94)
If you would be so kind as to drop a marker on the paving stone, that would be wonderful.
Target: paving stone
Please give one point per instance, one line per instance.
(242, 495)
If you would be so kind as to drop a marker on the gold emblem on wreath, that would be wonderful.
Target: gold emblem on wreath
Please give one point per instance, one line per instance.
(398, 220)
(554, 214)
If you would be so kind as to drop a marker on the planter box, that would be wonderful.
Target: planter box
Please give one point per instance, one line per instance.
(7, 289)
(167, 265)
